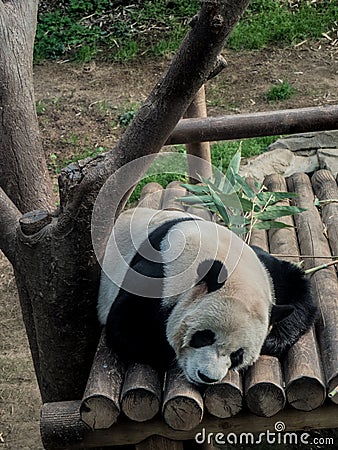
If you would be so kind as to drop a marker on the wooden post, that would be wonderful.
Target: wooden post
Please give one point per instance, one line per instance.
(326, 190)
(141, 393)
(313, 241)
(225, 399)
(267, 123)
(62, 428)
(305, 384)
(264, 392)
(170, 194)
(263, 382)
(100, 405)
(198, 109)
(182, 404)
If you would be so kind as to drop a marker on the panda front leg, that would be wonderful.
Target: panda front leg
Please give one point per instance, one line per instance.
(136, 330)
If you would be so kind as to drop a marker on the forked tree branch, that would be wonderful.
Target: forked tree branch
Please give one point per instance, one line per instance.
(9, 219)
(190, 68)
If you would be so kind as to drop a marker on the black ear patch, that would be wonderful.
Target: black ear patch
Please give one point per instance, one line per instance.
(213, 273)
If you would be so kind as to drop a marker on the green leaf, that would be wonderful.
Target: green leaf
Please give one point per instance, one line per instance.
(235, 163)
(238, 220)
(238, 230)
(248, 191)
(274, 212)
(269, 224)
(195, 188)
(274, 197)
(194, 199)
(218, 177)
(220, 207)
(247, 205)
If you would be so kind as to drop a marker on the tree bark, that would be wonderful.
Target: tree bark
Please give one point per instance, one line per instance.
(23, 169)
(55, 266)
(9, 220)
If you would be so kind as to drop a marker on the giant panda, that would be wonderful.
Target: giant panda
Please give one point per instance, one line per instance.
(177, 287)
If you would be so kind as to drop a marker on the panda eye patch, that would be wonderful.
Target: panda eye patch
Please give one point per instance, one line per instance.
(202, 338)
(236, 358)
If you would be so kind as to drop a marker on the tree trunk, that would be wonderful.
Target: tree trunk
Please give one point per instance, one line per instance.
(23, 169)
(55, 266)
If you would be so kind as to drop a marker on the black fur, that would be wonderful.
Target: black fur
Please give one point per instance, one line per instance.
(136, 325)
(291, 288)
(213, 273)
(202, 338)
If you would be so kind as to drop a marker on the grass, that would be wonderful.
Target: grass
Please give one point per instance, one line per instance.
(83, 30)
(281, 91)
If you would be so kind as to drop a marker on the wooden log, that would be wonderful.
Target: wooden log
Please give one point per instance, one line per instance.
(266, 373)
(305, 384)
(269, 123)
(151, 196)
(264, 392)
(182, 402)
(326, 190)
(173, 191)
(61, 425)
(141, 392)
(159, 442)
(225, 399)
(312, 240)
(199, 150)
(100, 405)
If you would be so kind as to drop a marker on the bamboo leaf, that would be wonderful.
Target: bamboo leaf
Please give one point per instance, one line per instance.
(220, 207)
(195, 188)
(269, 224)
(274, 212)
(235, 163)
(194, 199)
(248, 191)
(218, 177)
(238, 220)
(273, 197)
(247, 205)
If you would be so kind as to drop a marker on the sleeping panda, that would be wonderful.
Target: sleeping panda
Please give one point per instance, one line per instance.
(175, 286)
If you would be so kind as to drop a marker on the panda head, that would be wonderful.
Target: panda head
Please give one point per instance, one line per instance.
(222, 321)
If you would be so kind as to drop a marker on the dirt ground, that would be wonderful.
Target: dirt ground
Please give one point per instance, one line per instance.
(79, 108)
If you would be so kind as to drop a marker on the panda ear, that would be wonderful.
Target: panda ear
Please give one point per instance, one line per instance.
(280, 312)
(213, 273)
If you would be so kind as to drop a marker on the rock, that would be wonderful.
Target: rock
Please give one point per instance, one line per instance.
(307, 143)
(328, 159)
(279, 160)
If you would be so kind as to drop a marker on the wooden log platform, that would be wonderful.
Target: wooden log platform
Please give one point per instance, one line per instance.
(137, 406)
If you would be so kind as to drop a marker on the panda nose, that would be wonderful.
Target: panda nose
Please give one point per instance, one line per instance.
(205, 378)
